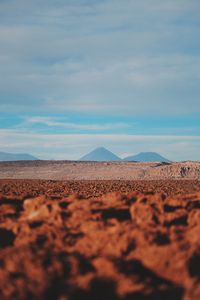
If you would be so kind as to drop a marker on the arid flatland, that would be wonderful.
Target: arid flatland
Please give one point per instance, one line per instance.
(76, 170)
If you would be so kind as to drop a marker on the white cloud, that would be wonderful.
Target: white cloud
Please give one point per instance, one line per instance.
(54, 122)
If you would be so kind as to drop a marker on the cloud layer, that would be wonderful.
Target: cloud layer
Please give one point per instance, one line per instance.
(130, 57)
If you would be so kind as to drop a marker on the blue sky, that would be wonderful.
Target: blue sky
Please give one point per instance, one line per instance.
(80, 74)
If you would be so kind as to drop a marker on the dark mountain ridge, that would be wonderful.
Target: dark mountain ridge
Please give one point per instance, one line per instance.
(102, 154)
(4, 156)
(147, 157)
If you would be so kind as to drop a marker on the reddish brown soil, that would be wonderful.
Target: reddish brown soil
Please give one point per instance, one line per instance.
(88, 188)
(141, 242)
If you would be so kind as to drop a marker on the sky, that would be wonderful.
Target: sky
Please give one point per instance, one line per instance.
(79, 74)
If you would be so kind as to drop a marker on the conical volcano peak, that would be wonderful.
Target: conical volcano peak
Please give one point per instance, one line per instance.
(100, 154)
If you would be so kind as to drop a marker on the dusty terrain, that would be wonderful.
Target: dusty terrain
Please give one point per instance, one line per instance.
(76, 170)
(82, 240)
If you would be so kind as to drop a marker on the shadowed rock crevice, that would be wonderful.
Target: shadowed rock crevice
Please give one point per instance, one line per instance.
(179, 221)
(194, 265)
(119, 214)
(161, 238)
(7, 238)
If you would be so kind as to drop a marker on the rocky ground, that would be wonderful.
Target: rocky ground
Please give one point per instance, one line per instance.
(76, 170)
(102, 240)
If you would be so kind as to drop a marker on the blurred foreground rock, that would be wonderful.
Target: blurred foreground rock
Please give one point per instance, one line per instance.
(117, 246)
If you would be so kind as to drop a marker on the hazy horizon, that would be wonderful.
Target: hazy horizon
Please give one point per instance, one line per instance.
(77, 75)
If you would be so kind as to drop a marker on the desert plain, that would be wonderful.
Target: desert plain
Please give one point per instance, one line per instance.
(99, 231)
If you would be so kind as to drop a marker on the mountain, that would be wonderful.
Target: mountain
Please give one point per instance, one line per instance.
(147, 157)
(15, 157)
(100, 154)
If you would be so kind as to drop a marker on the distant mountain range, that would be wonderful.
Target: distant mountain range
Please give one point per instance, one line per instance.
(102, 154)
(4, 156)
(98, 154)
